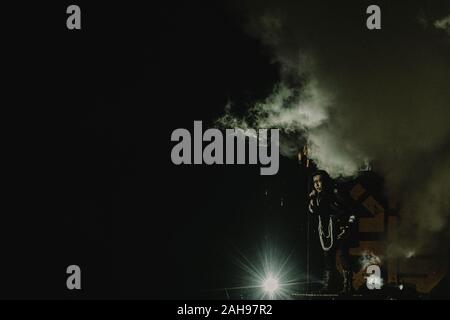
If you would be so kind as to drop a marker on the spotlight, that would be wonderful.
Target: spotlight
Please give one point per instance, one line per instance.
(270, 275)
(270, 285)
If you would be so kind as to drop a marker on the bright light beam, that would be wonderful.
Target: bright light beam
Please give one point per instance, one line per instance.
(271, 285)
(273, 276)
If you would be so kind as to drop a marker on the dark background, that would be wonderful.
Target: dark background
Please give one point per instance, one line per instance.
(100, 189)
(102, 192)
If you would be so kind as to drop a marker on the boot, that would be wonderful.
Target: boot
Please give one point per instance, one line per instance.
(347, 284)
(326, 288)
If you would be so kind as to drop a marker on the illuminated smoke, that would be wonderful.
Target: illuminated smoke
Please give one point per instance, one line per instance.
(368, 258)
(443, 24)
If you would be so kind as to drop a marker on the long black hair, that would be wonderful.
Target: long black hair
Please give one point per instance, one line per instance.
(327, 182)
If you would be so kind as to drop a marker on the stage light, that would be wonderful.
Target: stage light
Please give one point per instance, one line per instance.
(270, 285)
(270, 274)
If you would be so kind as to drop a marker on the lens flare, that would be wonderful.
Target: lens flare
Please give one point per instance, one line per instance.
(270, 285)
(270, 274)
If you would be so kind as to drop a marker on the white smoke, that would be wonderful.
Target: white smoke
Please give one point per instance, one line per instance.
(306, 113)
(368, 258)
(443, 24)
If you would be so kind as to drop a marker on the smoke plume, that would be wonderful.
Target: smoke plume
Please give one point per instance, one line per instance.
(443, 24)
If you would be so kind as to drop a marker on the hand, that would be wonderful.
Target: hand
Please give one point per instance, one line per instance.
(343, 233)
(311, 206)
(351, 219)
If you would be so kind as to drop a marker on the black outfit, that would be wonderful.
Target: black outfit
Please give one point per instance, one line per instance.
(333, 219)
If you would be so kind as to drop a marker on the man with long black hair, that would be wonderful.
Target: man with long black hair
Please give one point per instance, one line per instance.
(335, 223)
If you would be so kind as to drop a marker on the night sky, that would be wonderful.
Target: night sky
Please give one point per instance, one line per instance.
(101, 189)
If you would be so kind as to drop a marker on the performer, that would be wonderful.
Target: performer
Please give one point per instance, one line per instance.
(335, 224)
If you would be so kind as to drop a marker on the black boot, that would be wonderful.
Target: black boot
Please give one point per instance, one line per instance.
(347, 284)
(326, 287)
